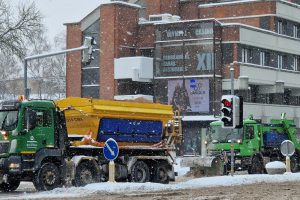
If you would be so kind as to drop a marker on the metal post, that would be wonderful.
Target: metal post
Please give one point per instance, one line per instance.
(288, 164)
(203, 142)
(111, 170)
(232, 78)
(26, 89)
(232, 144)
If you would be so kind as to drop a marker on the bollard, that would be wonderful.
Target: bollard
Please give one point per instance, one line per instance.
(111, 171)
(288, 164)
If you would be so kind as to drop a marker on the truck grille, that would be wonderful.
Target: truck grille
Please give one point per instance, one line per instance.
(4, 147)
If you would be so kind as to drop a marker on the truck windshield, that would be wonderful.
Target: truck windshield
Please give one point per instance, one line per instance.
(217, 134)
(8, 119)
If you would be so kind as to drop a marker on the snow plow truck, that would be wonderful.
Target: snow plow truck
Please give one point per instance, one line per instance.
(253, 146)
(61, 143)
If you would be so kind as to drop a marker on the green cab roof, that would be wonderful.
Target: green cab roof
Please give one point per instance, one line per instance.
(246, 121)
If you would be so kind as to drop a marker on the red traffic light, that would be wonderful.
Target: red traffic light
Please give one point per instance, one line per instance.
(226, 103)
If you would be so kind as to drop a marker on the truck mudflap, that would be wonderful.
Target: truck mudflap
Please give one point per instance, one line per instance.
(209, 166)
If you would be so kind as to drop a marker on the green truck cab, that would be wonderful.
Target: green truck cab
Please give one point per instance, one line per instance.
(254, 145)
(32, 142)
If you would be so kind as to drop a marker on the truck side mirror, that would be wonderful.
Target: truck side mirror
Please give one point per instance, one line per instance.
(30, 116)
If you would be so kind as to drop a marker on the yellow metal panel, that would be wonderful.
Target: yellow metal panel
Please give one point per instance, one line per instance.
(84, 116)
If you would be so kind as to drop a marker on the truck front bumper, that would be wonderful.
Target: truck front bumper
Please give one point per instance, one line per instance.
(11, 165)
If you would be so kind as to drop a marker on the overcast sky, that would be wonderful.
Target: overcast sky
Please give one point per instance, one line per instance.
(58, 12)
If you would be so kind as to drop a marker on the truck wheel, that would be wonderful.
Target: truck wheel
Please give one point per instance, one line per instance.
(86, 174)
(48, 177)
(161, 173)
(140, 172)
(11, 185)
(256, 166)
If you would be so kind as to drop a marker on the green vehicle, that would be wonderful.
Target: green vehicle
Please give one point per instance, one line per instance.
(35, 146)
(254, 145)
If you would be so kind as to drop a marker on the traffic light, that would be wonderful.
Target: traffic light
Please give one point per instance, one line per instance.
(87, 53)
(232, 111)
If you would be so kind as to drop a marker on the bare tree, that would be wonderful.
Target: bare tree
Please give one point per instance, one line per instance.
(16, 29)
(48, 73)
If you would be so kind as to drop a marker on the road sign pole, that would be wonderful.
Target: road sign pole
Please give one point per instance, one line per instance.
(111, 171)
(288, 163)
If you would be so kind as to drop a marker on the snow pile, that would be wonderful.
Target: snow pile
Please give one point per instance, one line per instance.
(180, 170)
(152, 187)
(275, 165)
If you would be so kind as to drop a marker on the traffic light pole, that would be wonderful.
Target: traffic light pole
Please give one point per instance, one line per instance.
(231, 143)
(26, 90)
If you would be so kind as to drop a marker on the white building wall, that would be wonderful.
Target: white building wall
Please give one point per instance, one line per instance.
(265, 112)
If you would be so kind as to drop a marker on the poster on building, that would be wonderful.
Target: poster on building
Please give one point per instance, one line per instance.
(189, 95)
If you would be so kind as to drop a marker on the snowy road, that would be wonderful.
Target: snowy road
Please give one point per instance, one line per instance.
(236, 187)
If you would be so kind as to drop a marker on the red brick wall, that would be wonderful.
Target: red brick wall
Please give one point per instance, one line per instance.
(118, 27)
(231, 33)
(242, 9)
(189, 10)
(170, 6)
(73, 71)
(162, 6)
(146, 36)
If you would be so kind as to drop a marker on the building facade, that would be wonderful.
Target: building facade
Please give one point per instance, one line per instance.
(179, 52)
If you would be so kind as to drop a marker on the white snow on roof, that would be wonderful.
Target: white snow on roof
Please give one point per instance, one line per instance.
(200, 118)
(124, 3)
(243, 1)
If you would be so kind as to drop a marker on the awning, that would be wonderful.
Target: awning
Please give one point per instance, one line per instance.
(200, 118)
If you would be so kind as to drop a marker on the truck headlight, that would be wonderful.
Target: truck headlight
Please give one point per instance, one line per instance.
(239, 141)
(5, 135)
(14, 166)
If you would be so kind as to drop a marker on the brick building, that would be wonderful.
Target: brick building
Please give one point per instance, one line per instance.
(179, 52)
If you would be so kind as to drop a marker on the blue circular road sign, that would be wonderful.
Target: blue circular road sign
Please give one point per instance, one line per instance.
(111, 149)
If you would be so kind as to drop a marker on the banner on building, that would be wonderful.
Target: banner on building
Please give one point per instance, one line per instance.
(189, 95)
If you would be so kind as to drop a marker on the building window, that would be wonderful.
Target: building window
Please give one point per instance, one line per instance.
(265, 58)
(296, 31)
(295, 63)
(280, 27)
(132, 52)
(246, 55)
(147, 52)
(280, 62)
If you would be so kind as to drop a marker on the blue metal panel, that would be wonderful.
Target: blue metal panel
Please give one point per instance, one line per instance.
(128, 130)
(274, 139)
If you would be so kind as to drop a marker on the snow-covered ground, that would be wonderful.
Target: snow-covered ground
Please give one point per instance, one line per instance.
(151, 187)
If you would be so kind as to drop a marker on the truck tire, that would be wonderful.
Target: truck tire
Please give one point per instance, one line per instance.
(48, 177)
(256, 166)
(160, 174)
(86, 174)
(11, 185)
(140, 172)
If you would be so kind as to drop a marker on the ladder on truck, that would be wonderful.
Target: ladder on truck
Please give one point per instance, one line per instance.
(174, 130)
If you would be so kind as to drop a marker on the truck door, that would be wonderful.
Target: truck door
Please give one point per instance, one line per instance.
(251, 139)
(42, 135)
